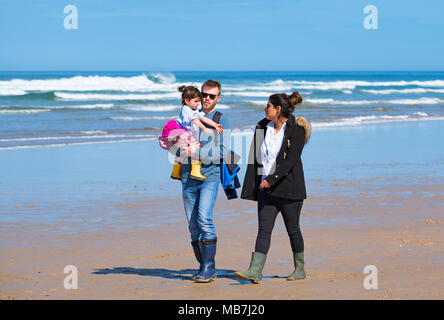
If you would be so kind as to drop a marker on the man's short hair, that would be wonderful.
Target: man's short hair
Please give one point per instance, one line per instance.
(212, 84)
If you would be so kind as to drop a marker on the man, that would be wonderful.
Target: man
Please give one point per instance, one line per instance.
(199, 197)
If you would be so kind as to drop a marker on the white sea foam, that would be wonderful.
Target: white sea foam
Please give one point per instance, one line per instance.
(140, 118)
(153, 137)
(415, 101)
(279, 85)
(257, 102)
(154, 108)
(88, 136)
(353, 121)
(248, 93)
(263, 87)
(344, 86)
(117, 97)
(222, 106)
(32, 110)
(94, 132)
(91, 83)
(320, 101)
(422, 100)
(86, 106)
(330, 101)
(367, 102)
(352, 84)
(28, 111)
(403, 91)
(166, 82)
(164, 108)
(315, 101)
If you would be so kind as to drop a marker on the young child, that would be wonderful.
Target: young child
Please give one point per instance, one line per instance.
(182, 132)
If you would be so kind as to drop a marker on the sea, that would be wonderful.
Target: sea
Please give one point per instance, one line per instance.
(51, 109)
(79, 150)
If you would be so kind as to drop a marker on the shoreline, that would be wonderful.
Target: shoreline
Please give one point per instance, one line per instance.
(152, 138)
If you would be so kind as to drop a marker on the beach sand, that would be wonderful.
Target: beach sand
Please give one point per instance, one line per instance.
(395, 227)
(375, 197)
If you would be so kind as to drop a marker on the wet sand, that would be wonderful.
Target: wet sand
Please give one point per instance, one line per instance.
(392, 223)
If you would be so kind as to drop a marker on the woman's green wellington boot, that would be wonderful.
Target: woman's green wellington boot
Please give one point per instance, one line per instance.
(254, 272)
(299, 272)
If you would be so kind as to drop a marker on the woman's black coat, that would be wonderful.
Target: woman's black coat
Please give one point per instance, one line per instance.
(287, 175)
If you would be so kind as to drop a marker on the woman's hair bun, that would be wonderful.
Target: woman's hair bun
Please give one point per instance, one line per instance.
(182, 88)
(286, 102)
(295, 99)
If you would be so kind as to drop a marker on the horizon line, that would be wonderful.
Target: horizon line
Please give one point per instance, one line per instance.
(141, 70)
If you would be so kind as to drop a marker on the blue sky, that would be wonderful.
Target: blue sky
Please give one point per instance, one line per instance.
(221, 35)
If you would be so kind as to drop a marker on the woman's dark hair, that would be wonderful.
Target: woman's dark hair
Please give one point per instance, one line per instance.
(189, 92)
(286, 102)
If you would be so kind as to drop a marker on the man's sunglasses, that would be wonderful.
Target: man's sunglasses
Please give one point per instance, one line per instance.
(212, 96)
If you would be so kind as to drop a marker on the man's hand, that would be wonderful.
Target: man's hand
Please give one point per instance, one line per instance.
(264, 184)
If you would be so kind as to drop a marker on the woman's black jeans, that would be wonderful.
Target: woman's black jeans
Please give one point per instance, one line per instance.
(268, 209)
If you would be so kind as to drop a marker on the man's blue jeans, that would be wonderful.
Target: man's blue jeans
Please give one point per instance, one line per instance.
(199, 199)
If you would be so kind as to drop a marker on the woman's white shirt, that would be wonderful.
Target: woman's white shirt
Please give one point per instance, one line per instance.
(270, 147)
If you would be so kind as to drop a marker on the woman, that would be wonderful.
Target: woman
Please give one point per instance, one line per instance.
(275, 179)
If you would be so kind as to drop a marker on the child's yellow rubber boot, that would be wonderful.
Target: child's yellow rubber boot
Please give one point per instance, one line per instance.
(195, 171)
(176, 171)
